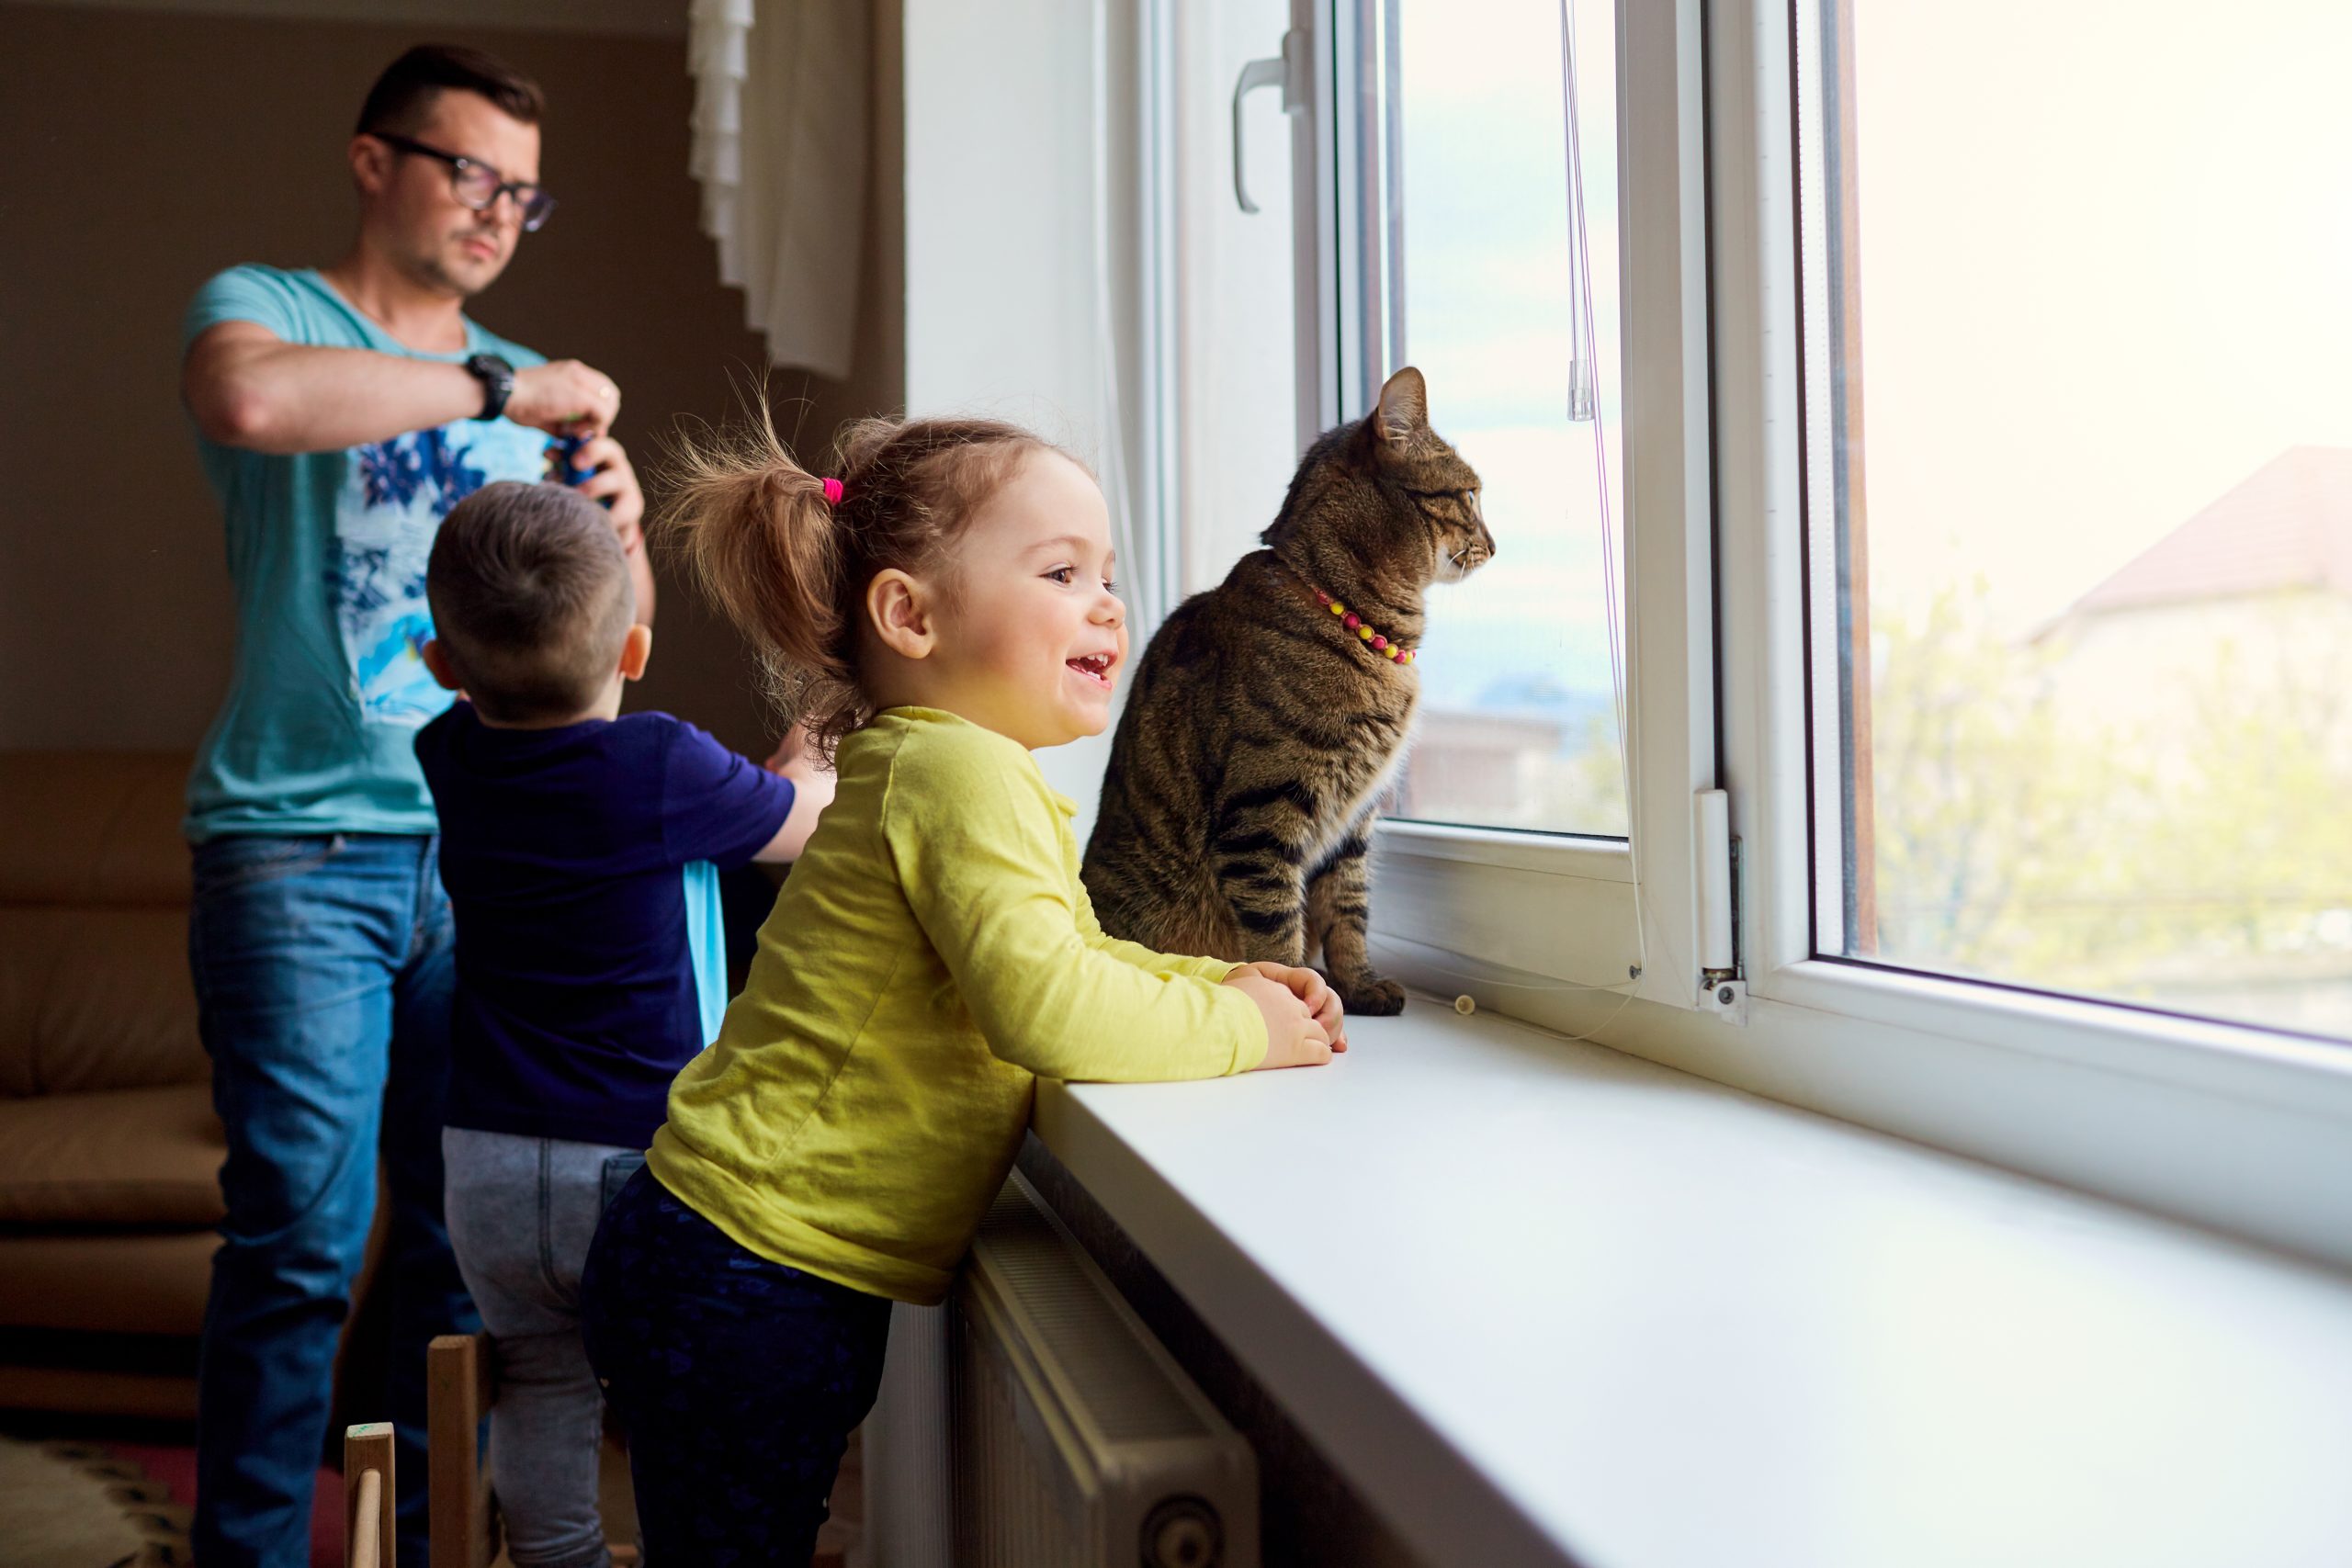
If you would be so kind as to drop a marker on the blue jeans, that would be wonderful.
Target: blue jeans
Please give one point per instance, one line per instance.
(324, 974)
(738, 1380)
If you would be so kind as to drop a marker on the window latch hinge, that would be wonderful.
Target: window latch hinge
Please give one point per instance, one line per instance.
(1722, 989)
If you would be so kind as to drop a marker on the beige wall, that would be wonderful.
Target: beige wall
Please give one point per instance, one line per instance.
(142, 152)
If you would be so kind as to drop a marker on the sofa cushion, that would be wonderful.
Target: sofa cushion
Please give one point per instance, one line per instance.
(93, 827)
(96, 999)
(105, 1281)
(143, 1158)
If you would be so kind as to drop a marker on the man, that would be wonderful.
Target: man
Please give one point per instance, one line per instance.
(342, 412)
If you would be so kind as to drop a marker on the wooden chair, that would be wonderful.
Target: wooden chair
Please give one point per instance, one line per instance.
(367, 1495)
(461, 1383)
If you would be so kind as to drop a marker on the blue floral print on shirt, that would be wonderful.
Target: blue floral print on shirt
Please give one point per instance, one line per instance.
(394, 496)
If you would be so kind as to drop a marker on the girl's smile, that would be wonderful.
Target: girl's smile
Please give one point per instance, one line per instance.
(1095, 668)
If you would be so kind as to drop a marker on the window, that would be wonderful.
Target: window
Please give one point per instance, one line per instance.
(1467, 263)
(1238, 425)
(1757, 356)
(2078, 491)
(1440, 253)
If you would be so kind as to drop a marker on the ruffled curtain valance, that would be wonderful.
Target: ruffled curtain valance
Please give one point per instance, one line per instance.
(780, 147)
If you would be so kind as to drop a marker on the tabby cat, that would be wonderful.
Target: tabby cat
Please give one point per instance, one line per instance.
(1271, 712)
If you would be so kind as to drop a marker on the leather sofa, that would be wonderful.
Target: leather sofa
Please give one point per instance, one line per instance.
(110, 1151)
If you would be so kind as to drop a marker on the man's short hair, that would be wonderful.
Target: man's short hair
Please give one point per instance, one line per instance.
(531, 599)
(403, 96)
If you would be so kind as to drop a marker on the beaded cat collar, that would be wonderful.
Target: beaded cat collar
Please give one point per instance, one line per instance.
(1372, 638)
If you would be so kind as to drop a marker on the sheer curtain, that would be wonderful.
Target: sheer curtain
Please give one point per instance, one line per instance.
(780, 136)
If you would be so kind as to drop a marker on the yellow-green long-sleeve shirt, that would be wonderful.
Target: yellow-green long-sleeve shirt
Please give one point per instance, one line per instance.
(931, 955)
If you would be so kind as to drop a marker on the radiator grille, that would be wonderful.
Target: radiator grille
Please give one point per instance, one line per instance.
(1078, 1441)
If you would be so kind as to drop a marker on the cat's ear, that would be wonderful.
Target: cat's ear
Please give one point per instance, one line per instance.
(1404, 407)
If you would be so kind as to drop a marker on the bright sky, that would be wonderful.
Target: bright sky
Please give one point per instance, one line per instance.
(1488, 283)
(2107, 273)
(2106, 261)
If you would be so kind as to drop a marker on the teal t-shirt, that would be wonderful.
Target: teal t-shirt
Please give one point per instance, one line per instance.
(327, 551)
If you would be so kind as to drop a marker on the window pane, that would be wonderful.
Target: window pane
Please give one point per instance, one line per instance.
(1239, 422)
(2076, 329)
(1518, 726)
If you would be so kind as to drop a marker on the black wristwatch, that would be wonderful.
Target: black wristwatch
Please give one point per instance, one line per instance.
(497, 378)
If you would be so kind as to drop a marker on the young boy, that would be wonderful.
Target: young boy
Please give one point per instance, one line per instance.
(581, 852)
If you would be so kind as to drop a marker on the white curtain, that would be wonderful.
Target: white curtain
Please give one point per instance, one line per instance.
(780, 147)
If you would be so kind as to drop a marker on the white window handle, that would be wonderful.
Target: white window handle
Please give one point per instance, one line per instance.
(1287, 71)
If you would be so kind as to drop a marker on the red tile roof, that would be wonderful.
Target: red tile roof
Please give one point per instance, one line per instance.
(2287, 526)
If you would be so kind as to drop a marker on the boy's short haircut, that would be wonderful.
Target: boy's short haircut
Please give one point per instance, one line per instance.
(531, 598)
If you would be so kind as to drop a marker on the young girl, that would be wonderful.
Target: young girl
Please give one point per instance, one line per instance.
(937, 613)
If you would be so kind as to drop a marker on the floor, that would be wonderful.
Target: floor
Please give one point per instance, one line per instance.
(173, 1464)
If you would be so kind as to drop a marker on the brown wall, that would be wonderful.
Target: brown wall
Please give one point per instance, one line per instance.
(140, 151)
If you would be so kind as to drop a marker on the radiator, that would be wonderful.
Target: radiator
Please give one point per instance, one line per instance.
(1078, 1442)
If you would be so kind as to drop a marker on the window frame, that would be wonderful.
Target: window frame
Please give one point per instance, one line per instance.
(2229, 1126)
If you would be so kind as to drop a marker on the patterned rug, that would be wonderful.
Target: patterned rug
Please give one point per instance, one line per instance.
(70, 1505)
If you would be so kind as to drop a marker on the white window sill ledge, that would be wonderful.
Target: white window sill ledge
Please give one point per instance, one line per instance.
(1543, 1303)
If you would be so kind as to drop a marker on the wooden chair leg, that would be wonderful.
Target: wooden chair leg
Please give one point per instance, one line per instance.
(460, 1382)
(614, 1498)
(367, 1495)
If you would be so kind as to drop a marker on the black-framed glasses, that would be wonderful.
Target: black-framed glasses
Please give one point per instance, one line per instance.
(478, 184)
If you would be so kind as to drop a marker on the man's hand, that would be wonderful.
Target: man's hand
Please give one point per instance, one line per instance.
(1315, 992)
(610, 474)
(564, 397)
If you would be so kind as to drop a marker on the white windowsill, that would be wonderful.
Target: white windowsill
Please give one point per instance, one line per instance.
(1540, 1302)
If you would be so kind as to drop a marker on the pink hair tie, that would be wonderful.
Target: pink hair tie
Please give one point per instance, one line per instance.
(833, 493)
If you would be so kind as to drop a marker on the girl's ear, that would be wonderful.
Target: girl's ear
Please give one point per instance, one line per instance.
(899, 610)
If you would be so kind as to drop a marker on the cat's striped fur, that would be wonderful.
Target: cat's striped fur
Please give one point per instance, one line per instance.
(1260, 731)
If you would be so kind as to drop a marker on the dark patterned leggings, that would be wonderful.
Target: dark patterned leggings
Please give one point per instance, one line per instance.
(739, 1381)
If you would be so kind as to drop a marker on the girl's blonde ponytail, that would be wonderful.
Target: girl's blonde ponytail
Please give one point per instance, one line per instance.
(760, 536)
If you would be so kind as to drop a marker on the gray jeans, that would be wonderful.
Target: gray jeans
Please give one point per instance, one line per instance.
(522, 1211)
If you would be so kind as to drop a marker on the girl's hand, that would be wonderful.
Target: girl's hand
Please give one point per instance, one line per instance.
(1294, 1037)
(1310, 987)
